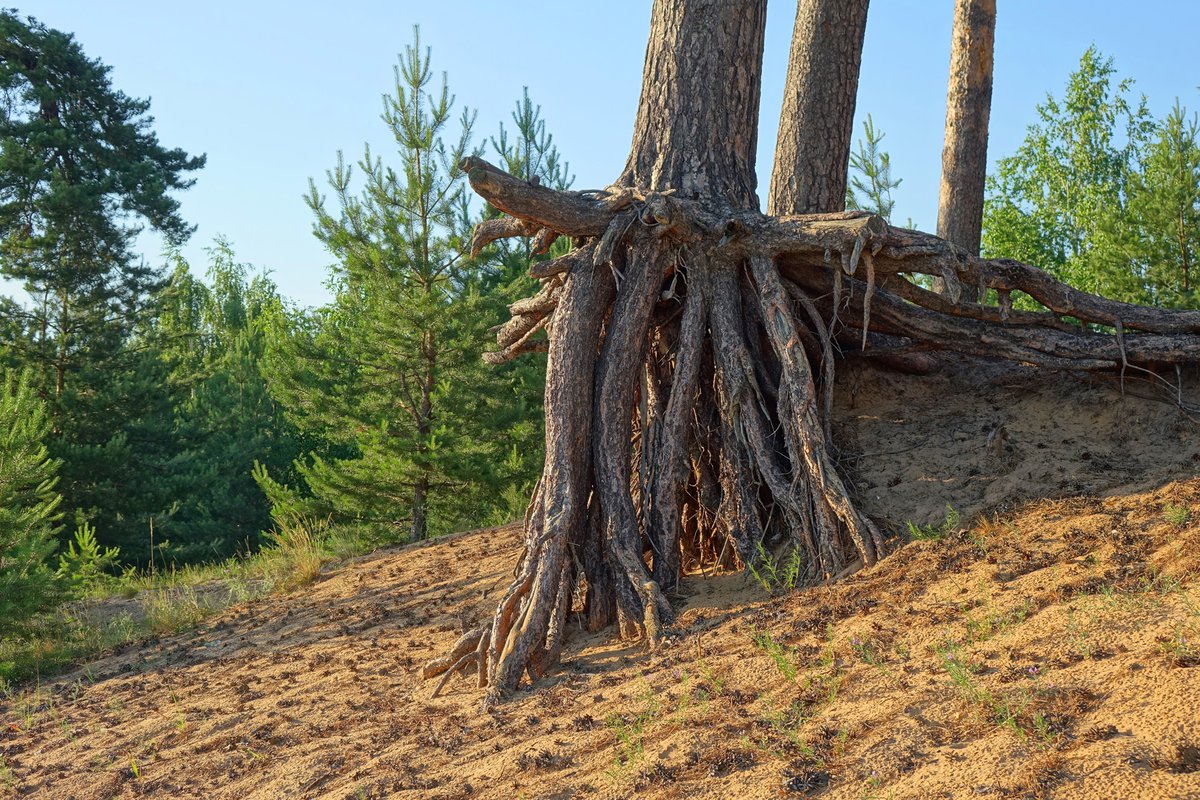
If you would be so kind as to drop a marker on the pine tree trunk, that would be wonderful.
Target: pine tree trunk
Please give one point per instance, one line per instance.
(697, 123)
(812, 153)
(968, 106)
(420, 506)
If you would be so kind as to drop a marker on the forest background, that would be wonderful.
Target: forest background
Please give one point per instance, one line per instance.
(166, 404)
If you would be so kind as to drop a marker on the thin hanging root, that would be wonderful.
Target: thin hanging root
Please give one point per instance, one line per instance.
(1124, 355)
(870, 262)
(855, 254)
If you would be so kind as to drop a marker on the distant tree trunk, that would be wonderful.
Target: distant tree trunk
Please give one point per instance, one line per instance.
(812, 152)
(424, 425)
(968, 106)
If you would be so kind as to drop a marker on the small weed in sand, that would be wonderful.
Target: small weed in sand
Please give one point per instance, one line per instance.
(992, 623)
(935, 533)
(778, 653)
(630, 733)
(776, 575)
(1177, 514)
(870, 653)
(866, 651)
(1079, 636)
(783, 739)
(1182, 647)
(8, 780)
(1006, 710)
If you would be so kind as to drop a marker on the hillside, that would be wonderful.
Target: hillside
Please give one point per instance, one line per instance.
(1049, 649)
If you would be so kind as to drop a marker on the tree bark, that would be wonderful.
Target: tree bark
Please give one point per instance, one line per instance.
(968, 106)
(812, 152)
(697, 122)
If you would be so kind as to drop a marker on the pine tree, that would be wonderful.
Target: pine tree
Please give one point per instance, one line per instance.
(1147, 246)
(80, 170)
(870, 181)
(390, 371)
(28, 504)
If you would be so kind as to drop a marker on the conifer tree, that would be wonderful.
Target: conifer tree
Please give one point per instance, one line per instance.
(29, 504)
(213, 337)
(80, 171)
(390, 371)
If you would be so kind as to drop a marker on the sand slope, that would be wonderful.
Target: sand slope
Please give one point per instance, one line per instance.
(1050, 651)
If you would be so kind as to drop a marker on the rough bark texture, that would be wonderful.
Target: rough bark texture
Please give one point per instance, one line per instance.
(696, 130)
(968, 106)
(812, 152)
(691, 346)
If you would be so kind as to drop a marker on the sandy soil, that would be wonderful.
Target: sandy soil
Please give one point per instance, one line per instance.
(1050, 650)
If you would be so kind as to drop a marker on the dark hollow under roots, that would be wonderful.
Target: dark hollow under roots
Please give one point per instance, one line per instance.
(689, 384)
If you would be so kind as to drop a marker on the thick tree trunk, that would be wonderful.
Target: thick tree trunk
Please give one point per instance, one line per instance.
(812, 153)
(697, 123)
(968, 105)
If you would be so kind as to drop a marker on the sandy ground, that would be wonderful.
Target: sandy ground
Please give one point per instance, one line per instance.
(1049, 650)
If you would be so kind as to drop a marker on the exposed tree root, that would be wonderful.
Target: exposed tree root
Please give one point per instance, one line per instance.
(689, 391)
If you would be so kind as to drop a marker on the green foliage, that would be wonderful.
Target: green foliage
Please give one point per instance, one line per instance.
(85, 561)
(390, 370)
(781, 656)
(938, 532)
(421, 435)
(1177, 514)
(1147, 248)
(214, 336)
(28, 505)
(777, 575)
(1100, 194)
(871, 184)
(81, 172)
(1045, 202)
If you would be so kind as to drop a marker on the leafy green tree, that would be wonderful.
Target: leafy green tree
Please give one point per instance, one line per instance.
(1046, 202)
(29, 504)
(1147, 247)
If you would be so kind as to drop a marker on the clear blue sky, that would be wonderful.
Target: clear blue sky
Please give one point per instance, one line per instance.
(271, 90)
